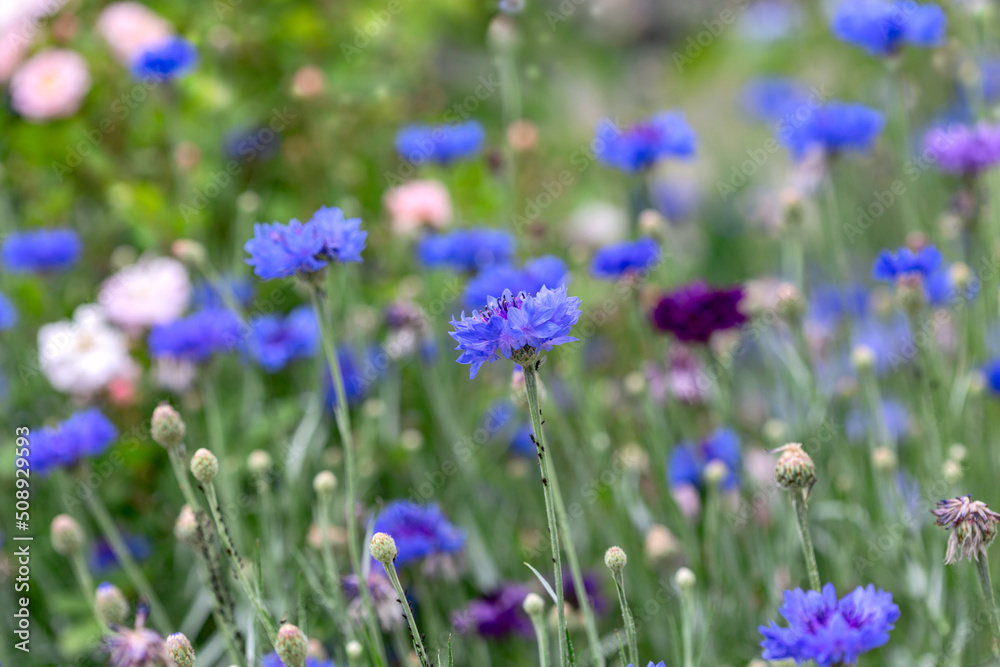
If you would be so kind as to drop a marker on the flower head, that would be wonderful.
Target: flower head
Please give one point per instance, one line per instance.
(206, 295)
(276, 341)
(496, 614)
(442, 144)
(619, 259)
(196, 337)
(135, 647)
(466, 249)
(417, 203)
(772, 99)
(154, 290)
(83, 355)
(102, 557)
(973, 527)
(963, 149)
(130, 28)
(696, 311)
(280, 251)
(688, 460)
(420, 531)
(41, 250)
(85, 434)
(830, 631)
(165, 60)
(834, 127)
(546, 271)
(881, 27)
(8, 314)
(516, 327)
(272, 660)
(664, 135)
(51, 84)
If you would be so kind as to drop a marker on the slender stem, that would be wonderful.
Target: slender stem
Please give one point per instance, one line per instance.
(418, 642)
(531, 386)
(542, 637)
(87, 586)
(343, 418)
(124, 556)
(983, 570)
(330, 565)
(633, 642)
(234, 559)
(687, 626)
(799, 502)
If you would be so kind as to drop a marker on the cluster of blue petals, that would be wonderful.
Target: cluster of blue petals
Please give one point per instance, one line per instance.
(419, 531)
(275, 341)
(198, 336)
(41, 251)
(83, 435)
(662, 136)
(546, 271)
(281, 251)
(441, 144)
(834, 127)
(688, 460)
(466, 249)
(166, 60)
(882, 27)
(616, 260)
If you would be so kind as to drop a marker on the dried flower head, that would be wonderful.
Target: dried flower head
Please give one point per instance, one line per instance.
(973, 527)
(135, 647)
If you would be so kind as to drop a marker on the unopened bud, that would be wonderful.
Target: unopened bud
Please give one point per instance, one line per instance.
(383, 548)
(795, 470)
(204, 466)
(951, 471)
(533, 605)
(354, 649)
(179, 651)
(715, 472)
(186, 526)
(324, 483)
(167, 427)
(863, 358)
(67, 536)
(292, 646)
(111, 604)
(660, 545)
(884, 459)
(957, 452)
(684, 578)
(258, 463)
(615, 559)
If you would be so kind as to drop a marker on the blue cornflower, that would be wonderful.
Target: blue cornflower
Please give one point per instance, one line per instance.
(41, 250)
(834, 127)
(8, 314)
(205, 295)
(522, 442)
(103, 559)
(659, 664)
(280, 251)
(547, 271)
(359, 375)
(275, 341)
(198, 336)
(86, 433)
(829, 631)
(614, 261)
(688, 460)
(516, 327)
(272, 660)
(991, 372)
(771, 99)
(860, 424)
(664, 135)
(166, 60)
(829, 304)
(420, 531)
(466, 249)
(882, 27)
(442, 144)
(889, 266)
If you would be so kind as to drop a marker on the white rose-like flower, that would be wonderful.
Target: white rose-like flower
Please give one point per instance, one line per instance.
(154, 290)
(82, 355)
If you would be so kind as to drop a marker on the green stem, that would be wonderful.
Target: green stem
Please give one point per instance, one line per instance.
(531, 386)
(799, 502)
(418, 642)
(87, 586)
(687, 626)
(542, 637)
(983, 570)
(633, 642)
(330, 565)
(124, 556)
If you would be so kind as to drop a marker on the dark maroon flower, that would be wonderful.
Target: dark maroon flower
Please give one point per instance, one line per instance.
(496, 614)
(696, 311)
(591, 584)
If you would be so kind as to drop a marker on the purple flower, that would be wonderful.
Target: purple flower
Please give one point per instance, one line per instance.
(102, 557)
(547, 271)
(276, 341)
(965, 150)
(83, 435)
(829, 631)
(518, 327)
(592, 586)
(664, 135)
(135, 647)
(280, 251)
(834, 127)
(8, 314)
(688, 460)
(442, 144)
(466, 249)
(166, 60)
(41, 251)
(196, 337)
(420, 531)
(383, 597)
(272, 660)
(696, 311)
(882, 27)
(614, 261)
(496, 614)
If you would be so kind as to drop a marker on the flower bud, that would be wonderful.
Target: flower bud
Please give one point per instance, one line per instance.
(324, 483)
(67, 536)
(884, 459)
(167, 426)
(291, 646)
(186, 526)
(615, 559)
(204, 466)
(383, 548)
(957, 452)
(533, 605)
(258, 463)
(863, 358)
(684, 578)
(715, 472)
(951, 471)
(179, 651)
(660, 545)
(354, 649)
(112, 607)
(189, 251)
(795, 470)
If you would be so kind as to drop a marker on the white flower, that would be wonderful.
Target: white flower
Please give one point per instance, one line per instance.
(154, 290)
(174, 374)
(82, 355)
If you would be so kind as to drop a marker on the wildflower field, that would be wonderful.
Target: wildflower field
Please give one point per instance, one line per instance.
(541, 332)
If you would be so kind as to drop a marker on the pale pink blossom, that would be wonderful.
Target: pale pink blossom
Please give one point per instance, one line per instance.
(51, 84)
(174, 375)
(19, 27)
(418, 203)
(154, 290)
(83, 355)
(130, 28)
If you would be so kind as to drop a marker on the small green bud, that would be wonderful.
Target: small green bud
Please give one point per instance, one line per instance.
(324, 483)
(292, 646)
(533, 605)
(67, 536)
(111, 604)
(615, 559)
(186, 526)
(167, 427)
(204, 466)
(354, 649)
(684, 578)
(795, 470)
(179, 651)
(258, 462)
(383, 548)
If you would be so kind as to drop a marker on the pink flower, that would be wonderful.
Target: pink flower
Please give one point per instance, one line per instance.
(418, 203)
(154, 290)
(130, 28)
(19, 30)
(52, 84)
